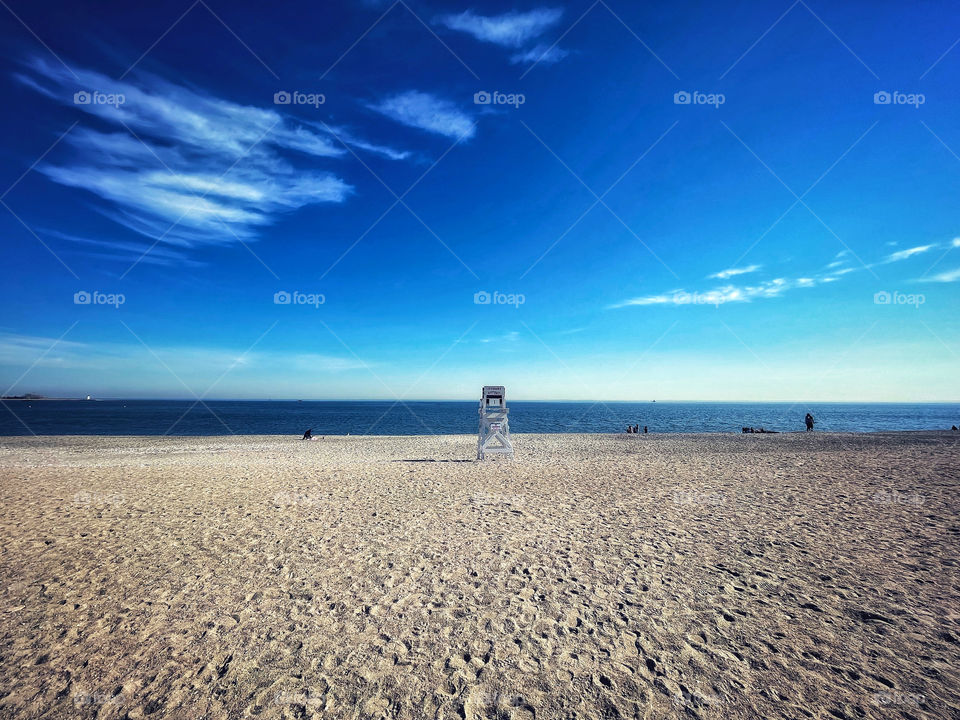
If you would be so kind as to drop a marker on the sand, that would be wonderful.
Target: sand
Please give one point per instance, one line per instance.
(658, 576)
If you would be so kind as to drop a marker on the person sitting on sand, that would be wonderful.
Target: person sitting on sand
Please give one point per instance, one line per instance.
(809, 421)
(308, 435)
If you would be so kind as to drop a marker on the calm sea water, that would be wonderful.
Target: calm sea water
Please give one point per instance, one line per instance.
(182, 417)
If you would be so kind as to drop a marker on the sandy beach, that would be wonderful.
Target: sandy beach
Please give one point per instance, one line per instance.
(659, 576)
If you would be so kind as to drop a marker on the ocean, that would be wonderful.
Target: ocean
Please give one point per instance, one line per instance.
(269, 417)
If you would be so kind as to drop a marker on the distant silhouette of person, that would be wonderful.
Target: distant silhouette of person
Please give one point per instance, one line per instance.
(809, 421)
(308, 435)
(644, 429)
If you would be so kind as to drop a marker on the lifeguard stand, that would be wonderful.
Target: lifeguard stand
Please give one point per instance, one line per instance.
(494, 435)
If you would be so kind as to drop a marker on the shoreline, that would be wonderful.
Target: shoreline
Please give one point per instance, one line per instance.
(789, 433)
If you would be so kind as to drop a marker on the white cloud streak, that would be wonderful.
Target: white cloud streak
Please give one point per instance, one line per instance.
(944, 277)
(510, 337)
(720, 295)
(426, 112)
(215, 169)
(539, 54)
(731, 272)
(128, 251)
(776, 287)
(513, 29)
(909, 253)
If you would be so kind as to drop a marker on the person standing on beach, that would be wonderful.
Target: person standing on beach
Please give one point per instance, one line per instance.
(809, 421)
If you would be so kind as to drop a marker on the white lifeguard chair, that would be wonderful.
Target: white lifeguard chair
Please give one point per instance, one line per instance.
(494, 437)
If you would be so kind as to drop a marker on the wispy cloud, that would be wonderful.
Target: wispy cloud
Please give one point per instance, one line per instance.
(777, 286)
(904, 254)
(539, 54)
(128, 251)
(944, 277)
(731, 272)
(513, 29)
(509, 337)
(427, 112)
(720, 295)
(215, 169)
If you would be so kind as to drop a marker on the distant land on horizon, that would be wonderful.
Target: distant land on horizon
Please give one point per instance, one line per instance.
(33, 396)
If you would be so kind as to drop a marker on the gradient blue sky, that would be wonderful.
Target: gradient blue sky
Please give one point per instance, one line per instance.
(663, 250)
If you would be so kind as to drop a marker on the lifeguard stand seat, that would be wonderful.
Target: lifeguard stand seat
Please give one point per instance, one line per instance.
(494, 435)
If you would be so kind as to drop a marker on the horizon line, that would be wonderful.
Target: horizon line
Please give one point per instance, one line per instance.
(83, 398)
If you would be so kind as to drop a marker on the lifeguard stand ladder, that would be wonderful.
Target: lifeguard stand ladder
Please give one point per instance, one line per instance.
(494, 435)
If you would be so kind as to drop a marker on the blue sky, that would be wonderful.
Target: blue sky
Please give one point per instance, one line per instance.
(583, 200)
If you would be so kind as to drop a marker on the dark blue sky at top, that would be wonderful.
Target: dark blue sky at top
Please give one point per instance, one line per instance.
(618, 298)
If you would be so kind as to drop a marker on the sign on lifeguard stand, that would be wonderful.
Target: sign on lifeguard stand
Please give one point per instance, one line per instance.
(494, 429)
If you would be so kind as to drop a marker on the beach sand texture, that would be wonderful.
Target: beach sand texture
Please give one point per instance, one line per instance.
(658, 576)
